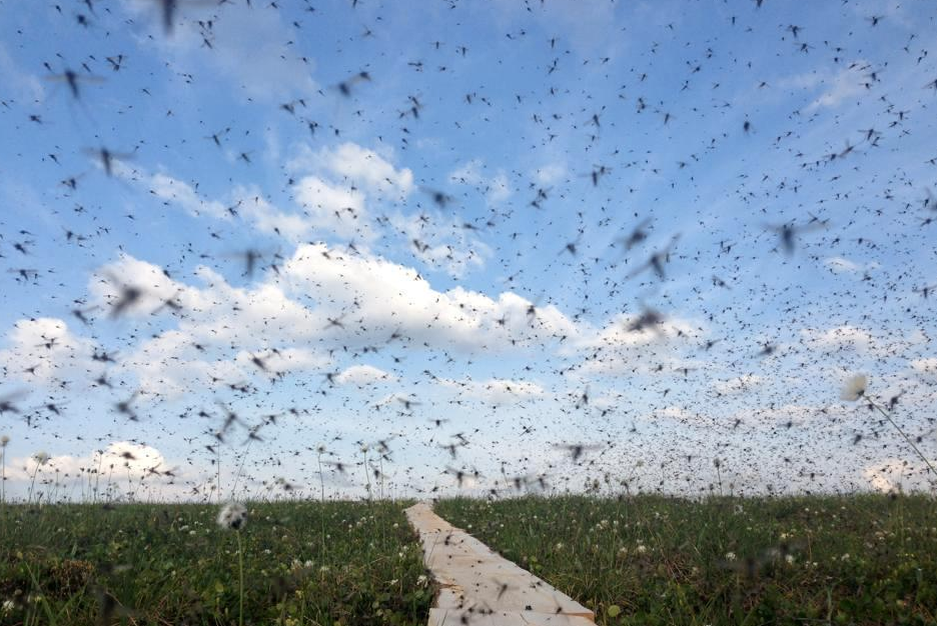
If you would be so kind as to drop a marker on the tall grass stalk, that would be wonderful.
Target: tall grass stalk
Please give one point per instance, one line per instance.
(903, 434)
(240, 580)
(321, 477)
(32, 483)
(367, 472)
(3, 475)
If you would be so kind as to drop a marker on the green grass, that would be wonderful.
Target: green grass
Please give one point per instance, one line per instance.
(651, 560)
(643, 560)
(304, 563)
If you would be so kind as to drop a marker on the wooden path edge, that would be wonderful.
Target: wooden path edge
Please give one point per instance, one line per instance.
(479, 587)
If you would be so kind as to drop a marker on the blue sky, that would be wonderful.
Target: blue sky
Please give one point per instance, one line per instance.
(447, 238)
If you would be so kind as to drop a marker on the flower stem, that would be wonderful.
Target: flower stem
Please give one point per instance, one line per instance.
(32, 484)
(240, 581)
(903, 434)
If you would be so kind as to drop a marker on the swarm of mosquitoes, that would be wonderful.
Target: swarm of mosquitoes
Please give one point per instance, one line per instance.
(669, 326)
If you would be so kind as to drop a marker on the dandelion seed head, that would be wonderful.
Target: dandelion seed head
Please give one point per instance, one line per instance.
(232, 516)
(855, 388)
(41, 457)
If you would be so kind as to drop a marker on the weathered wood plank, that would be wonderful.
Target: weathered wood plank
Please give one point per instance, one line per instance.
(481, 586)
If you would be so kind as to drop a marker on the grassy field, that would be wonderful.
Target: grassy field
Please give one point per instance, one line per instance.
(651, 560)
(643, 560)
(304, 563)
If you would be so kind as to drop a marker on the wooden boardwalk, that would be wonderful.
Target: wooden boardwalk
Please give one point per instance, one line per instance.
(479, 587)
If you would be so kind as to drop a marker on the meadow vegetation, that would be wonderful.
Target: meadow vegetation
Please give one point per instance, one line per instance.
(861, 559)
(304, 562)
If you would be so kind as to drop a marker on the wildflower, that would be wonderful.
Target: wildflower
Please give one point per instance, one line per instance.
(4, 440)
(730, 556)
(7, 606)
(41, 458)
(422, 580)
(233, 516)
(855, 388)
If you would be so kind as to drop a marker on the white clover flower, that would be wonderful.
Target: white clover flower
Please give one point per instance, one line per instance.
(854, 388)
(232, 516)
(422, 580)
(730, 556)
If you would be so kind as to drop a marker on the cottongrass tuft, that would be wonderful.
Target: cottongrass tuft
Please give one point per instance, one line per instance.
(855, 388)
(41, 458)
(232, 516)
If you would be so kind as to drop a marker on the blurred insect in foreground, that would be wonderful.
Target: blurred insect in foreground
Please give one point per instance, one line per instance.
(72, 79)
(788, 232)
(346, 85)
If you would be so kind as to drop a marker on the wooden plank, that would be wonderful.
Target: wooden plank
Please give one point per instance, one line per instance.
(450, 617)
(478, 586)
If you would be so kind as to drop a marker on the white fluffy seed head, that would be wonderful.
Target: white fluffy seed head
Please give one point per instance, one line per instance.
(854, 388)
(232, 516)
